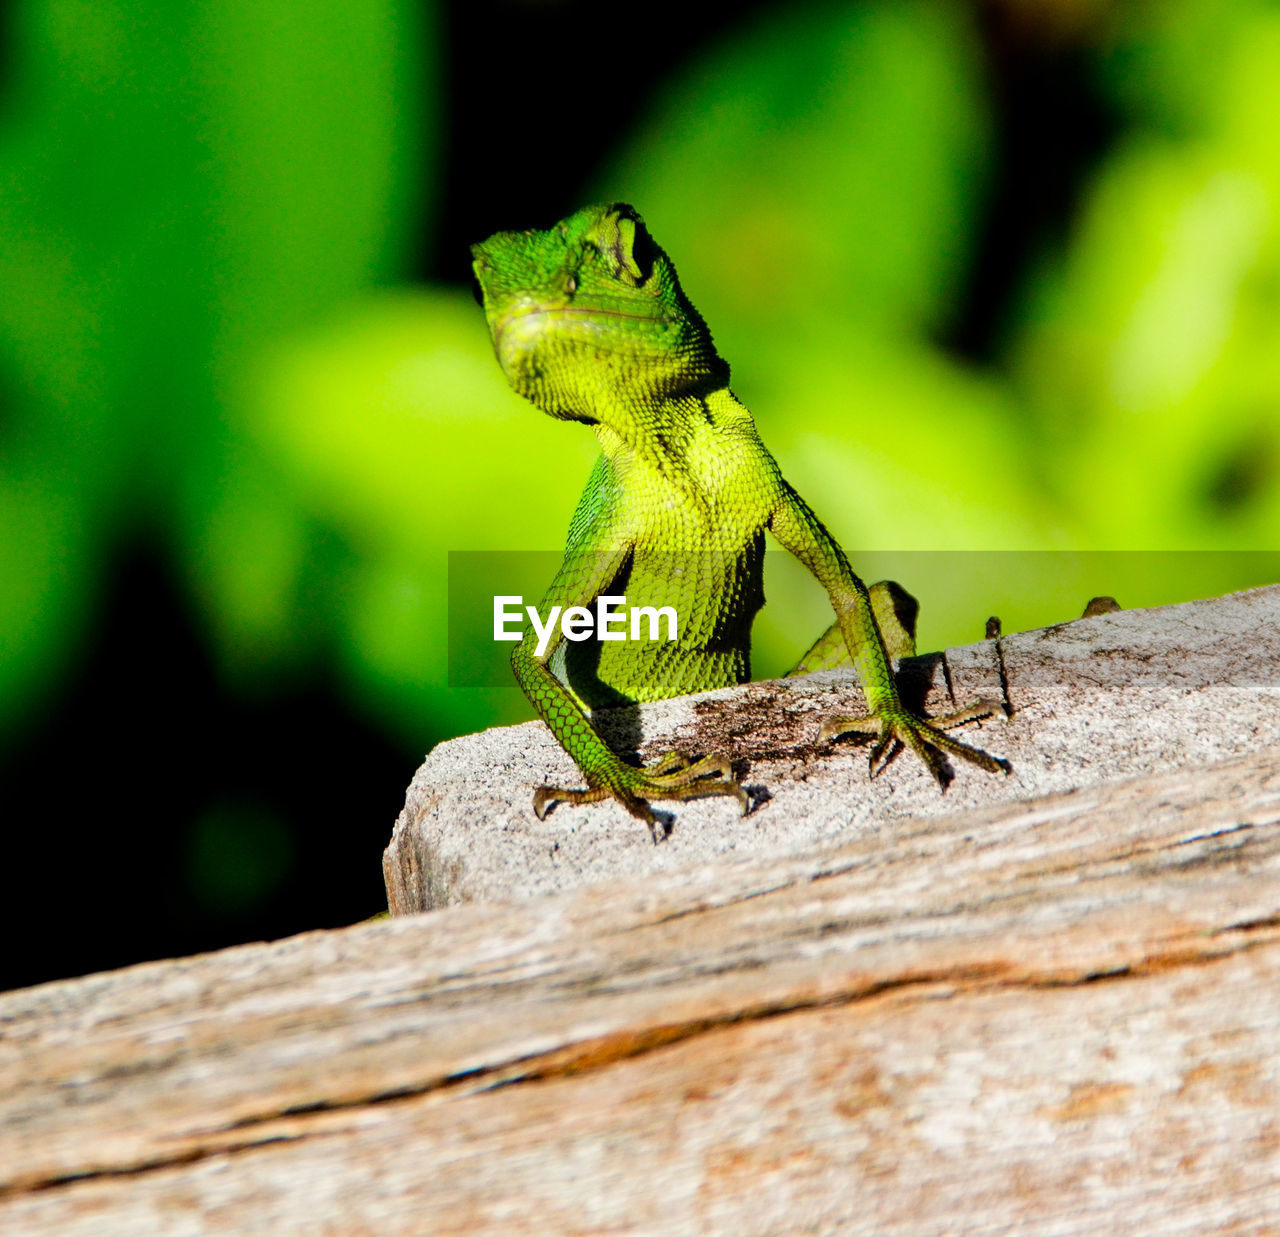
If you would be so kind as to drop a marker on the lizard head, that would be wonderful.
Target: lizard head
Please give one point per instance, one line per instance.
(588, 317)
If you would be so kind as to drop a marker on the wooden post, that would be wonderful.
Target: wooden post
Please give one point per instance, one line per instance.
(1048, 1015)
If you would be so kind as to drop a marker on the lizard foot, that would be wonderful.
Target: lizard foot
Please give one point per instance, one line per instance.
(669, 777)
(927, 738)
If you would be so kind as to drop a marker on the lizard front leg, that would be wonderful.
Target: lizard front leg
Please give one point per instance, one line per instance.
(581, 578)
(669, 777)
(892, 724)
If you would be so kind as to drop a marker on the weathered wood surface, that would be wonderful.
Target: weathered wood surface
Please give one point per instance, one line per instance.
(1050, 1017)
(1140, 691)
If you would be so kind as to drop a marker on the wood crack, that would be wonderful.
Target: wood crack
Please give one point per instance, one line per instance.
(329, 1117)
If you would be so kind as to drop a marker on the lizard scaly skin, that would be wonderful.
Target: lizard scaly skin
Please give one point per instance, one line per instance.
(590, 323)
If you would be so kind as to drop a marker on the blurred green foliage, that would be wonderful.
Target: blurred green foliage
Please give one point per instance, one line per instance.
(1149, 357)
(205, 213)
(181, 188)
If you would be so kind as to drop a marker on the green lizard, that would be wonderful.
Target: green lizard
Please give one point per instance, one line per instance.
(589, 322)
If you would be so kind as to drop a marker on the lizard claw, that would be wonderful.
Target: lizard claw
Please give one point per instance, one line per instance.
(669, 777)
(926, 737)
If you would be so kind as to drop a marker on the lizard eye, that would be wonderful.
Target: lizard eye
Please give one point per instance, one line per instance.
(643, 253)
(633, 251)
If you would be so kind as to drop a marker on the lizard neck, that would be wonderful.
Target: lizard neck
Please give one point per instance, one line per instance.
(665, 434)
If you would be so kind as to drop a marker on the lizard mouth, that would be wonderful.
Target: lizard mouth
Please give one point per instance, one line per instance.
(524, 327)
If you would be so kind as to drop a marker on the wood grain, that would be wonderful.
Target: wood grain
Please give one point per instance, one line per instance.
(1058, 1016)
(1119, 695)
